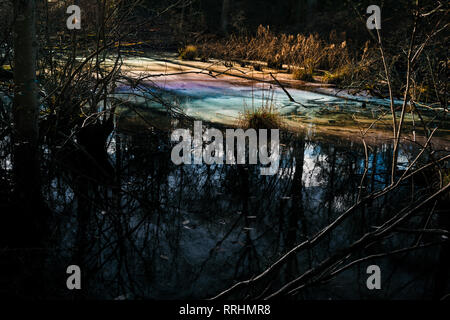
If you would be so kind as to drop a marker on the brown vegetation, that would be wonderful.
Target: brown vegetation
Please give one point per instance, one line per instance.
(300, 54)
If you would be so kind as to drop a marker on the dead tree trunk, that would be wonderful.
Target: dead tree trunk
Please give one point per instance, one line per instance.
(224, 17)
(25, 107)
(24, 229)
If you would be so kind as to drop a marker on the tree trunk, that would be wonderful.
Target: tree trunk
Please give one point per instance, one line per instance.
(224, 18)
(25, 105)
(25, 222)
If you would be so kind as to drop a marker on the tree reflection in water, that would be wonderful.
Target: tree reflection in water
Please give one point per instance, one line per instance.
(162, 231)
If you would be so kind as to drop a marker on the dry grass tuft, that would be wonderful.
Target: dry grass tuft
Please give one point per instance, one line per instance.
(302, 74)
(264, 117)
(260, 118)
(189, 52)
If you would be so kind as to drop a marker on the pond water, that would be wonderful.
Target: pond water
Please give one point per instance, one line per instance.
(163, 231)
(155, 230)
(217, 95)
(223, 101)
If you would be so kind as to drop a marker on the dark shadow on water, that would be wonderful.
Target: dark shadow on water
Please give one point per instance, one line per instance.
(160, 231)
